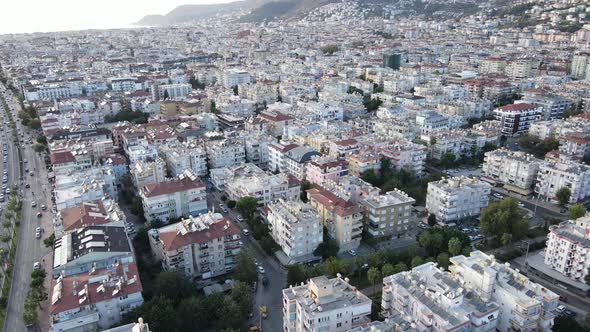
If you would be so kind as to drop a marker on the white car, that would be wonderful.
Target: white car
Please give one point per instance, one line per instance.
(261, 269)
(36, 266)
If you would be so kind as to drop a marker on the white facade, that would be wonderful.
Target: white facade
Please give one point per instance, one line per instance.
(295, 226)
(185, 156)
(568, 248)
(225, 152)
(524, 305)
(324, 305)
(457, 198)
(144, 172)
(514, 168)
(174, 91)
(234, 77)
(553, 176)
(435, 301)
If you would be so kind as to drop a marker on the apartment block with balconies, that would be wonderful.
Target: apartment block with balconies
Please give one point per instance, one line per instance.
(553, 176)
(513, 168)
(295, 226)
(568, 248)
(389, 214)
(525, 305)
(516, 119)
(205, 246)
(325, 305)
(457, 198)
(433, 300)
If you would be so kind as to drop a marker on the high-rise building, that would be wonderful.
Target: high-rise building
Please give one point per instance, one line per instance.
(392, 60)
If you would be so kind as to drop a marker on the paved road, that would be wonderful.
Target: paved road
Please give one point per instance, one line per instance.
(270, 295)
(29, 249)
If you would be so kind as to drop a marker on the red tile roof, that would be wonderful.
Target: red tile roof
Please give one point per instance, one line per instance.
(173, 240)
(333, 203)
(517, 107)
(70, 301)
(170, 186)
(62, 157)
(85, 214)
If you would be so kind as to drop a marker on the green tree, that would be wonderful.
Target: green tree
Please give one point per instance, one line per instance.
(191, 311)
(160, 312)
(242, 296)
(247, 206)
(563, 196)
(431, 220)
(38, 147)
(373, 275)
(433, 242)
(443, 260)
(231, 204)
(576, 211)
(563, 323)
(166, 95)
(506, 239)
(296, 274)
(235, 90)
(387, 270)
(587, 278)
(245, 268)
(328, 248)
(48, 242)
(330, 49)
(504, 217)
(30, 311)
(417, 261)
(447, 160)
(332, 266)
(455, 246)
(400, 267)
(173, 285)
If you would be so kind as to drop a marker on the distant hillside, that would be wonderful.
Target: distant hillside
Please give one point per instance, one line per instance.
(186, 13)
(267, 10)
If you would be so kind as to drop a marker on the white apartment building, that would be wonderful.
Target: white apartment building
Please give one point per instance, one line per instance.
(47, 92)
(144, 172)
(185, 156)
(290, 158)
(256, 148)
(94, 301)
(181, 197)
(389, 214)
(524, 305)
(225, 152)
(324, 305)
(405, 155)
(516, 119)
(250, 180)
(580, 65)
(84, 185)
(554, 106)
(295, 226)
(457, 198)
(514, 168)
(233, 77)
(433, 300)
(568, 248)
(553, 176)
(174, 91)
(204, 247)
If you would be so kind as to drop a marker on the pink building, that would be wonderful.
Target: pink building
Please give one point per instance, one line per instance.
(321, 169)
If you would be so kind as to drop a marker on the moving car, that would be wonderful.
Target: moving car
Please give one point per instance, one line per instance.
(261, 269)
(43, 207)
(246, 231)
(33, 204)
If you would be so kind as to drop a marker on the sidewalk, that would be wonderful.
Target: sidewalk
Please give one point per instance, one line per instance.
(534, 201)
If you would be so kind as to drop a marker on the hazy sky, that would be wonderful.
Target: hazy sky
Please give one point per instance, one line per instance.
(57, 15)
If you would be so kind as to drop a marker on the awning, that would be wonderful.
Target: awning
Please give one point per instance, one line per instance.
(524, 192)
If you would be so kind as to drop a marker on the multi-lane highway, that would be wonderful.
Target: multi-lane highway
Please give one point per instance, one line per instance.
(29, 249)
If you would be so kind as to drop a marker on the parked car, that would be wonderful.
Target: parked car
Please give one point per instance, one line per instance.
(261, 269)
(33, 204)
(246, 231)
(562, 298)
(36, 266)
(43, 207)
(39, 214)
(521, 204)
(560, 309)
(38, 232)
(352, 252)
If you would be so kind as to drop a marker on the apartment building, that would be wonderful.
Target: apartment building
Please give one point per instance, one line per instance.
(513, 168)
(576, 145)
(90, 248)
(295, 227)
(389, 214)
(568, 248)
(554, 106)
(174, 198)
(144, 172)
(290, 158)
(326, 305)
(457, 198)
(342, 217)
(580, 65)
(516, 119)
(94, 301)
(224, 152)
(433, 300)
(233, 77)
(97, 213)
(171, 91)
(276, 120)
(84, 185)
(363, 161)
(554, 175)
(256, 147)
(201, 247)
(405, 155)
(250, 180)
(524, 305)
(188, 155)
(322, 169)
